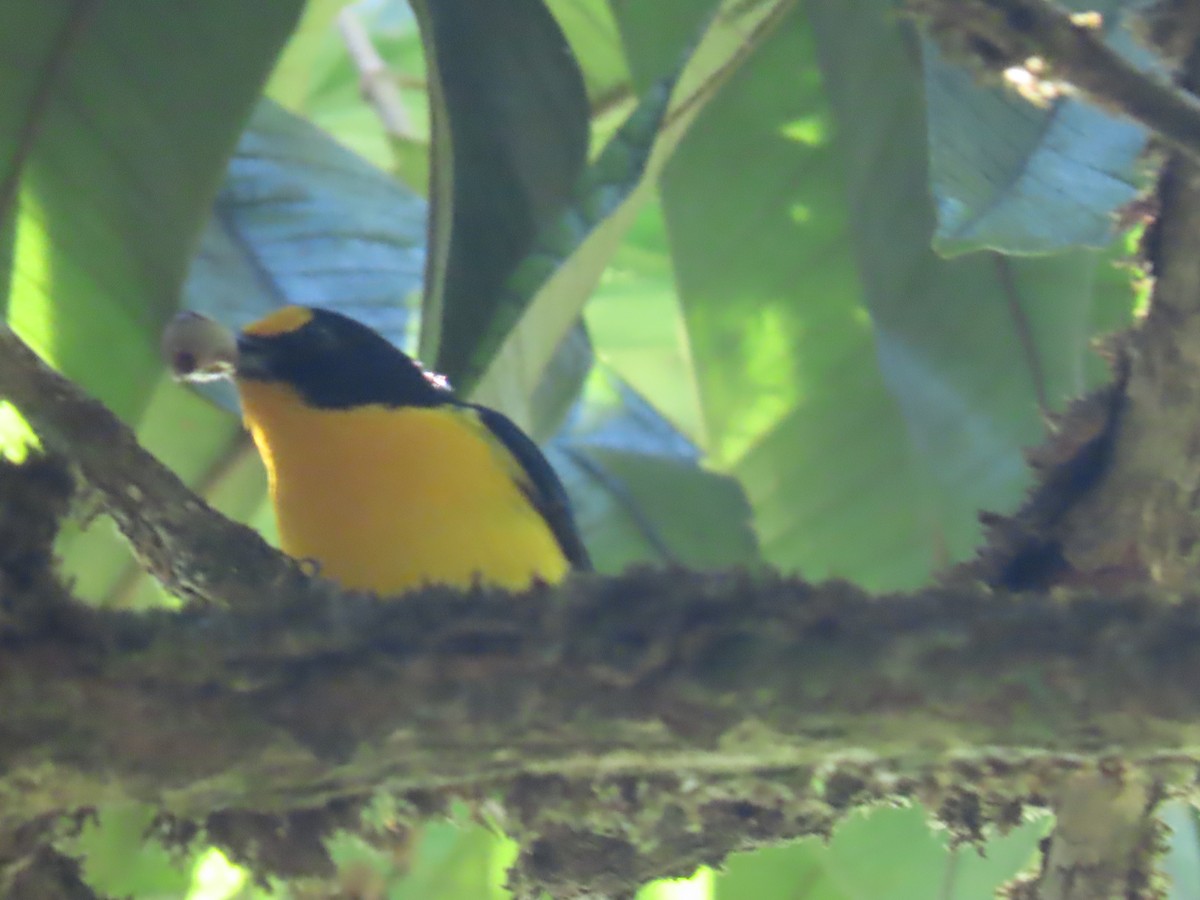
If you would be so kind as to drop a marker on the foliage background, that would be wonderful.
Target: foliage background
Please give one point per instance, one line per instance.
(735, 340)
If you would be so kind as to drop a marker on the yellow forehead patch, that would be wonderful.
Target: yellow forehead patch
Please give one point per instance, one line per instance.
(290, 318)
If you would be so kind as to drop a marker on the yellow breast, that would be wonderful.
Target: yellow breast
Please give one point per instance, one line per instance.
(388, 499)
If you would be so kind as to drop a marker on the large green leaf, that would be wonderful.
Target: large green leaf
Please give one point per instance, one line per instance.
(592, 31)
(771, 306)
(640, 491)
(885, 854)
(573, 260)
(546, 293)
(871, 397)
(120, 862)
(1012, 176)
(970, 348)
(115, 122)
(891, 854)
(510, 138)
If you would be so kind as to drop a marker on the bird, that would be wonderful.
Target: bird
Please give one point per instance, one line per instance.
(378, 472)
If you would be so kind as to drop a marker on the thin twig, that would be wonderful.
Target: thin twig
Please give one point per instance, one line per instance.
(376, 81)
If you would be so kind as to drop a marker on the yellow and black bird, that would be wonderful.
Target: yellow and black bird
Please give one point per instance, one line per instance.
(377, 471)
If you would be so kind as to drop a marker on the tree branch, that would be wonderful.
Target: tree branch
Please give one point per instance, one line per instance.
(195, 552)
(704, 712)
(1105, 842)
(1002, 34)
(656, 699)
(1117, 502)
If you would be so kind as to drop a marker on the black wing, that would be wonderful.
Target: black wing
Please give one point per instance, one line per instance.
(543, 488)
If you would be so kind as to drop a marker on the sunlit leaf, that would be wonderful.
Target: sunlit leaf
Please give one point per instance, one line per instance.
(891, 854)
(870, 396)
(115, 121)
(119, 861)
(571, 256)
(637, 324)
(296, 72)
(546, 293)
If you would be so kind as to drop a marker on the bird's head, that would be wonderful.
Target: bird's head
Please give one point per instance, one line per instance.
(331, 360)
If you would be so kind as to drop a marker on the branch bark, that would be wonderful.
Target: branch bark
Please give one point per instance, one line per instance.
(1105, 842)
(1129, 512)
(679, 695)
(196, 553)
(704, 713)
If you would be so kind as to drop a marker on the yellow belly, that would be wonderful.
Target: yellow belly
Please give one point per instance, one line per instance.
(391, 499)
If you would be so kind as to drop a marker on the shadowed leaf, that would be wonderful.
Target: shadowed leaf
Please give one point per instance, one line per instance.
(510, 137)
(1011, 176)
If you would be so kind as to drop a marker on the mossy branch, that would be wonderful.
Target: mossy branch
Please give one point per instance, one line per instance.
(756, 707)
(196, 553)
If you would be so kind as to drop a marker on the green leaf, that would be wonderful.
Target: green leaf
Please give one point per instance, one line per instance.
(545, 295)
(870, 396)
(300, 65)
(782, 349)
(573, 253)
(795, 871)
(591, 29)
(639, 491)
(561, 384)
(635, 320)
(119, 861)
(115, 122)
(891, 854)
(884, 854)
(973, 349)
(1011, 176)
(696, 887)
(510, 137)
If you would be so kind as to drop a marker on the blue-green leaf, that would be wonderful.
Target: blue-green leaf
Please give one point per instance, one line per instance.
(1019, 178)
(300, 219)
